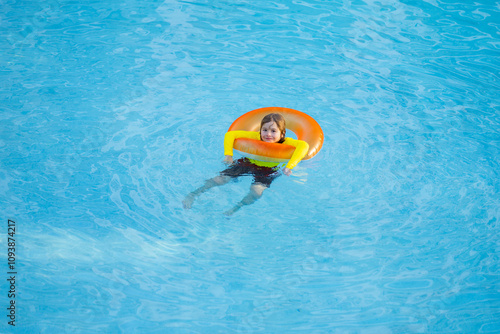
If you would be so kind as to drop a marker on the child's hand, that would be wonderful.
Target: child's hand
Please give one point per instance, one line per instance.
(228, 159)
(287, 171)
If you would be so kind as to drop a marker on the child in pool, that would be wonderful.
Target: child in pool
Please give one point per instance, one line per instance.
(272, 130)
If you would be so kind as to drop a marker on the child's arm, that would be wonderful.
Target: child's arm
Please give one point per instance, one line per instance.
(301, 149)
(231, 136)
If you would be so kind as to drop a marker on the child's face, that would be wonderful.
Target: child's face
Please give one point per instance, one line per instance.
(270, 132)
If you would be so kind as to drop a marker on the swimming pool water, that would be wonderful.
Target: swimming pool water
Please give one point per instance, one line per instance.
(113, 111)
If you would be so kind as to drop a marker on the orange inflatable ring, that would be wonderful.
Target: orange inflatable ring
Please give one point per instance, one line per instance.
(303, 125)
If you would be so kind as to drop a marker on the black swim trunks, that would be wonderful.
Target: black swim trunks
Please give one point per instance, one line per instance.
(261, 174)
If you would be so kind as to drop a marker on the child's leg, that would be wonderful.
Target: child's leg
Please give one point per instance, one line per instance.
(213, 182)
(256, 190)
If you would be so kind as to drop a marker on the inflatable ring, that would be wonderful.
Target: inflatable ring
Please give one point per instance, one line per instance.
(303, 125)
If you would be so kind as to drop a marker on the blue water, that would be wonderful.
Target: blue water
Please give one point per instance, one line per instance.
(113, 111)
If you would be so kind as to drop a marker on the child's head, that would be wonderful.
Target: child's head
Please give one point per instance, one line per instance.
(273, 128)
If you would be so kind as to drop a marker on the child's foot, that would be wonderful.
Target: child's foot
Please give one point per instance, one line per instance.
(229, 212)
(233, 210)
(187, 203)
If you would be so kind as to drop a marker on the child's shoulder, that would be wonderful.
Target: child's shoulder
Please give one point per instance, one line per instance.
(296, 142)
(291, 140)
(243, 133)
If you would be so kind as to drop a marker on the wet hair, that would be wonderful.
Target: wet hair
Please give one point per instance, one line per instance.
(280, 122)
